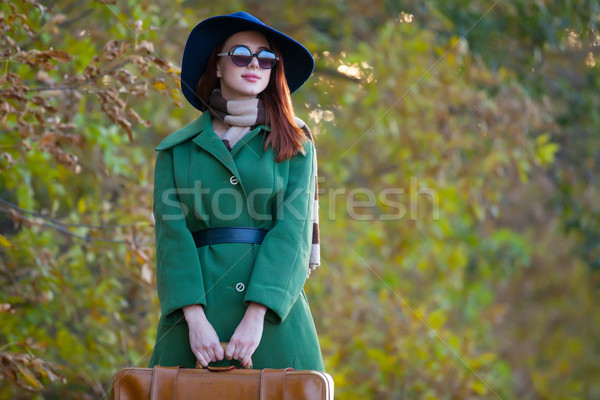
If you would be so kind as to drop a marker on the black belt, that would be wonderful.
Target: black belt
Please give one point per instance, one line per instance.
(232, 234)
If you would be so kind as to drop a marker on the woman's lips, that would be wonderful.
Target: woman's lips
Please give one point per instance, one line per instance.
(251, 77)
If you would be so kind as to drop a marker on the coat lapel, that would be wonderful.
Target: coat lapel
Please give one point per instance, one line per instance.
(204, 136)
(184, 133)
(210, 142)
(258, 152)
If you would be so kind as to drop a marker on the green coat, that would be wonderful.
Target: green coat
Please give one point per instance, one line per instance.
(199, 184)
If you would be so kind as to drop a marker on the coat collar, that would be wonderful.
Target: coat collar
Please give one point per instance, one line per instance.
(200, 125)
(202, 134)
(210, 142)
(185, 133)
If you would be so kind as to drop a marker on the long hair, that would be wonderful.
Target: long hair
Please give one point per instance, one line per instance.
(286, 138)
(208, 81)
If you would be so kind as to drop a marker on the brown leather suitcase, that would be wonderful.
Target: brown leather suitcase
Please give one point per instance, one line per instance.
(174, 383)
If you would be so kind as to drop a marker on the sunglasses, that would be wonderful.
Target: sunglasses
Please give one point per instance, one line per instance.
(242, 56)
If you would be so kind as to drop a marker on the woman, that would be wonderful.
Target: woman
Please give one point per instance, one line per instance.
(234, 204)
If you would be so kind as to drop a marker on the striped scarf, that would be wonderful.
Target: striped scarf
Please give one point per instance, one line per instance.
(241, 116)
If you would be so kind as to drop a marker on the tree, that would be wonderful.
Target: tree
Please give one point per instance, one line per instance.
(76, 232)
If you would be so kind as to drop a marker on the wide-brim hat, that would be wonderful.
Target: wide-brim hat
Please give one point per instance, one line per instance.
(211, 32)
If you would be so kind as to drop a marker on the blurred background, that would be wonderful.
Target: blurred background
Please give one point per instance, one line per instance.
(459, 150)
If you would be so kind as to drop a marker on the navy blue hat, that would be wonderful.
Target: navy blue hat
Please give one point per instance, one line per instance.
(211, 32)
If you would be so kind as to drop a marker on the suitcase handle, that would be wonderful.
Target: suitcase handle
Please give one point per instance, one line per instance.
(222, 369)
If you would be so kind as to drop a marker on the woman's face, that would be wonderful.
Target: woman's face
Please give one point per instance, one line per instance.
(242, 83)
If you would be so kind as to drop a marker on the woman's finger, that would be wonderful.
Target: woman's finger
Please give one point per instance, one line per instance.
(236, 351)
(230, 349)
(210, 354)
(242, 353)
(236, 354)
(202, 360)
(247, 362)
(219, 353)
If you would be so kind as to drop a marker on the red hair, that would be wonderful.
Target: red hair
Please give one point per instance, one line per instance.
(286, 138)
(208, 81)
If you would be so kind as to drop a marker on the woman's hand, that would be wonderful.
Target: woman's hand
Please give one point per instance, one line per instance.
(247, 335)
(204, 341)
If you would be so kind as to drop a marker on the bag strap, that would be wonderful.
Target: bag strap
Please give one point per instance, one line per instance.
(164, 381)
(272, 383)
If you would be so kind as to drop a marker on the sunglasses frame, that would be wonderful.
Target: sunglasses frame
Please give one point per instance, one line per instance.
(250, 55)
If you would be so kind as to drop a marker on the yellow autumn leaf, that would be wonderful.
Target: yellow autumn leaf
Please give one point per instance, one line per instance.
(160, 85)
(30, 378)
(140, 256)
(479, 388)
(4, 242)
(437, 319)
(81, 205)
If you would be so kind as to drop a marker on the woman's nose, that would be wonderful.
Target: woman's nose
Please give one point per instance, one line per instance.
(254, 62)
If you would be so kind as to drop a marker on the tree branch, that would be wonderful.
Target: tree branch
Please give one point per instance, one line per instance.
(76, 85)
(31, 40)
(67, 232)
(82, 15)
(59, 226)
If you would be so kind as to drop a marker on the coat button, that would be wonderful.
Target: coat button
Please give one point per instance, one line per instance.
(233, 180)
(240, 287)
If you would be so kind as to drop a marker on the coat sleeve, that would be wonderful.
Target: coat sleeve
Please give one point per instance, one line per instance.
(281, 265)
(178, 275)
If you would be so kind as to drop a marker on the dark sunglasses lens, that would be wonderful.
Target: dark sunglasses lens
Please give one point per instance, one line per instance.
(241, 61)
(266, 59)
(241, 56)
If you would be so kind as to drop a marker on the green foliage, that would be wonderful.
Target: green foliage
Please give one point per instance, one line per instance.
(77, 235)
(457, 153)
(552, 46)
(414, 325)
